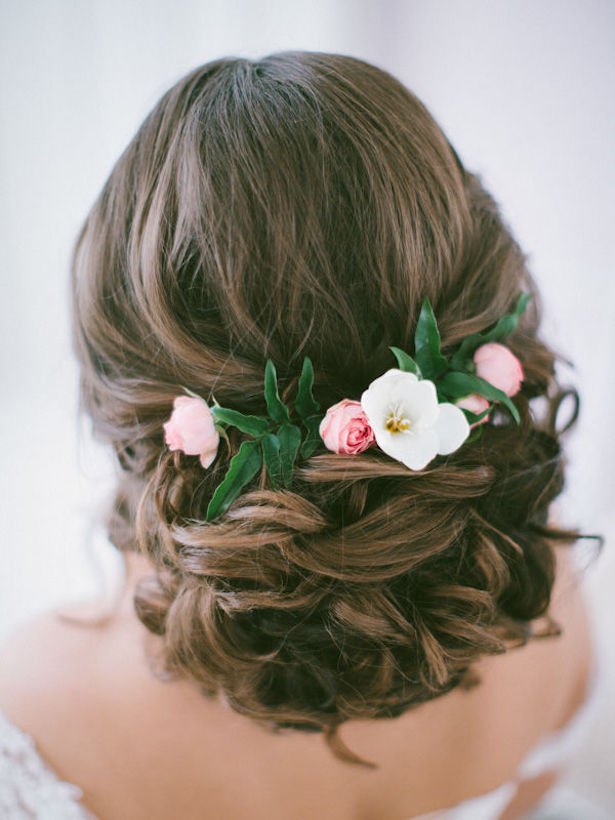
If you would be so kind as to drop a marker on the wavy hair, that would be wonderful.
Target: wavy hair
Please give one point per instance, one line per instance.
(305, 204)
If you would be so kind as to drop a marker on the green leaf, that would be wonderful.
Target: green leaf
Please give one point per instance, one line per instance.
(406, 362)
(522, 302)
(427, 344)
(289, 436)
(305, 404)
(503, 327)
(271, 454)
(242, 468)
(313, 438)
(474, 417)
(457, 385)
(253, 425)
(461, 358)
(275, 406)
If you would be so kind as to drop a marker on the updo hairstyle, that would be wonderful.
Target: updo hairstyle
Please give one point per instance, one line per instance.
(305, 204)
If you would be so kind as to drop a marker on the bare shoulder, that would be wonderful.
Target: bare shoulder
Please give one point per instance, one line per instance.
(67, 659)
(65, 682)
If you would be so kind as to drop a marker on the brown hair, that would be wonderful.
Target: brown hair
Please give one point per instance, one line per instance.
(305, 204)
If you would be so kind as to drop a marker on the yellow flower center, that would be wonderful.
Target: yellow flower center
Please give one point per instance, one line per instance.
(396, 423)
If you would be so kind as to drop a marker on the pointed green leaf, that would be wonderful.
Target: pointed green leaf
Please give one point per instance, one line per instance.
(313, 438)
(271, 454)
(461, 358)
(242, 468)
(427, 344)
(503, 327)
(275, 406)
(306, 405)
(406, 362)
(522, 302)
(290, 439)
(253, 425)
(474, 417)
(457, 385)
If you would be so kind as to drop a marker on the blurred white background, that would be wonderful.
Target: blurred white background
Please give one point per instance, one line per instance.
(524, 90)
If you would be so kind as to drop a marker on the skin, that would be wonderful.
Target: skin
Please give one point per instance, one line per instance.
(142, 749)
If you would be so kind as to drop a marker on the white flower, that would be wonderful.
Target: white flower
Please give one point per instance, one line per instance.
(408, 422)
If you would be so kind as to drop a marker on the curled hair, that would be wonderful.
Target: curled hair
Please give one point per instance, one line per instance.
(305, 204)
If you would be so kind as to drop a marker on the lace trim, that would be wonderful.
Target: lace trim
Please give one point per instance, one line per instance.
(28, 787)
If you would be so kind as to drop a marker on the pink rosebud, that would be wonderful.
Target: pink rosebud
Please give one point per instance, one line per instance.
(476, 404)
(191, 429)
(498, 365)
(345, 428)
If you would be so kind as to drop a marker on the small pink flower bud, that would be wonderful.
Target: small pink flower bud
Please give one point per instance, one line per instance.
(498, 365)
(191, 429)
(345, 429)
(475, 404)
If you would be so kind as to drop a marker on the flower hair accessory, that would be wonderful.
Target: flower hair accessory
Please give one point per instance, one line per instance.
(276, 440)
(425, 407)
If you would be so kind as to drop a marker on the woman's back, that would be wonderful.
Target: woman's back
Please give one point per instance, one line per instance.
(141, 748)
(335, 543)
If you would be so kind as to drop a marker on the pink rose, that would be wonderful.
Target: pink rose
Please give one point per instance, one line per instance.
(498, 365)
(191, 429)
(345, 428)
(476, 404)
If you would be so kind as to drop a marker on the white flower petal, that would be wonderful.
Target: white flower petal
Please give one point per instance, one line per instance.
(452, 428)
(382, 392)
(420, 403)
(414, 449)
(375, 405)
(431, 431)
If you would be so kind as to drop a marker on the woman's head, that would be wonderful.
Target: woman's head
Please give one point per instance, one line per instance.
(304, 205)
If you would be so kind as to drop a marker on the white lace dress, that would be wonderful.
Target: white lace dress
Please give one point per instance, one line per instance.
(28, 787)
